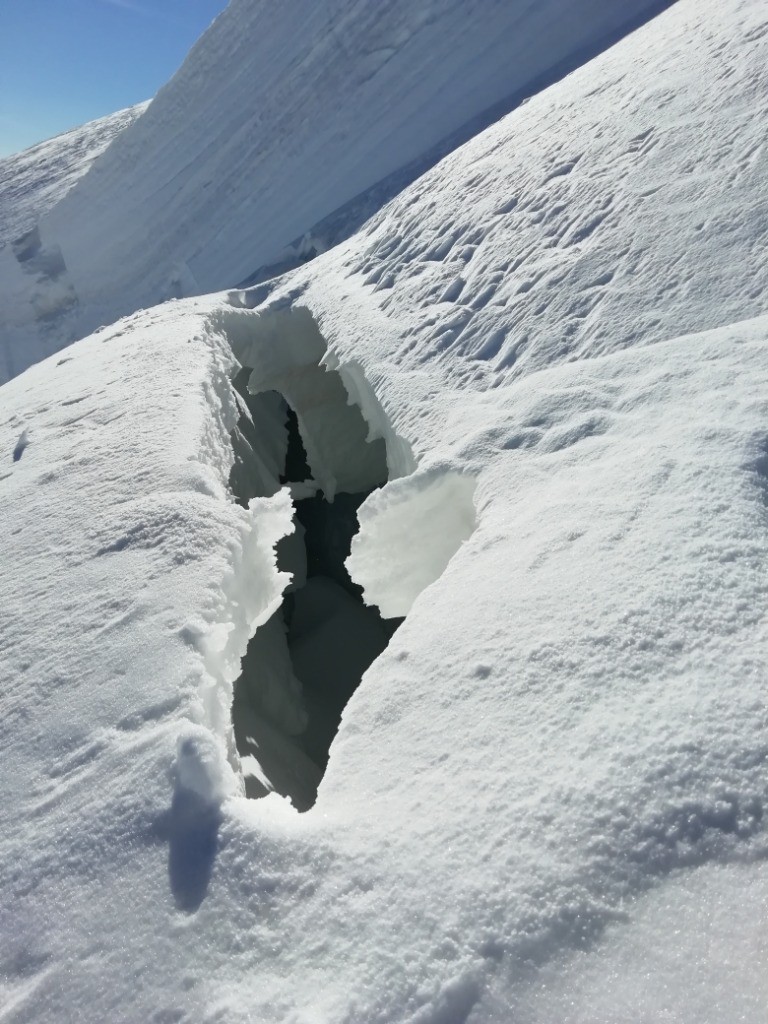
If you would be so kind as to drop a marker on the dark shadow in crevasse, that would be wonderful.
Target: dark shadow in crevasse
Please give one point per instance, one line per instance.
(304, 664)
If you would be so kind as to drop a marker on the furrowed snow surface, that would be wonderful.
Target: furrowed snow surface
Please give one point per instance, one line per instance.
(33, 181)
(277, 118)
(546, 799)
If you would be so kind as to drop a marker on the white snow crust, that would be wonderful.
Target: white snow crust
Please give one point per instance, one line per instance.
(409, 531)
(546, 799)
(279, 116)
(33, 181)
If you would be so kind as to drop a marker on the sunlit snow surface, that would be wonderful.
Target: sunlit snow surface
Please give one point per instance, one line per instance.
(278, 117)
(33, 181)
(545, 803)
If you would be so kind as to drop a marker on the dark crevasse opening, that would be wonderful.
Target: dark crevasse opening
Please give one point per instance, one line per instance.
(304, 664)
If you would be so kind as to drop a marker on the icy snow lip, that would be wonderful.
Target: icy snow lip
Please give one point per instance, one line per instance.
(409, 531)
(412, 527)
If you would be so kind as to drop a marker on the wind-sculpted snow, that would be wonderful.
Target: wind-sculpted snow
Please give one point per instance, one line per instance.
(546, 799)
(279, 116)
(33, 272)
(569, 716)
(611, 210)
(33, 181)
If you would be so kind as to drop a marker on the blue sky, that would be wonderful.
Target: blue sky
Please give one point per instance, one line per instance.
(64, 62)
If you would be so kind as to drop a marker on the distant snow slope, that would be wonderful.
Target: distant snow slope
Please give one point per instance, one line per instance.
(279, 115)
(33, 181)
(546, 802)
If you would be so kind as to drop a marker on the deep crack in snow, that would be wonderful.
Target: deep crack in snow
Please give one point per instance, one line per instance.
(299, 429)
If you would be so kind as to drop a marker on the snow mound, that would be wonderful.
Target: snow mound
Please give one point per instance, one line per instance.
(200, 770)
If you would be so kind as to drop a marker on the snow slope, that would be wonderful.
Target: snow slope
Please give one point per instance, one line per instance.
(278, 117)
(546, 799)
(33, 181)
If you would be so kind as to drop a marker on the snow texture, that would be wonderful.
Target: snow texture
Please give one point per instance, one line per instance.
(33, 181)
(278, 117)
(546, 799)
(408, 533)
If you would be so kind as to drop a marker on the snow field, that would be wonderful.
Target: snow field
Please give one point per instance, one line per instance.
(227, 165)
(632, 589)
(693, 952)
(622, 206)
(546, 799)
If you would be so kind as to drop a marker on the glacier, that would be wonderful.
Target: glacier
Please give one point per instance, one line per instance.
(543, 360)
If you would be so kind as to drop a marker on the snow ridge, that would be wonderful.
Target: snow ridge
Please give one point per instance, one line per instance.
(224, 163)
(32, 182)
